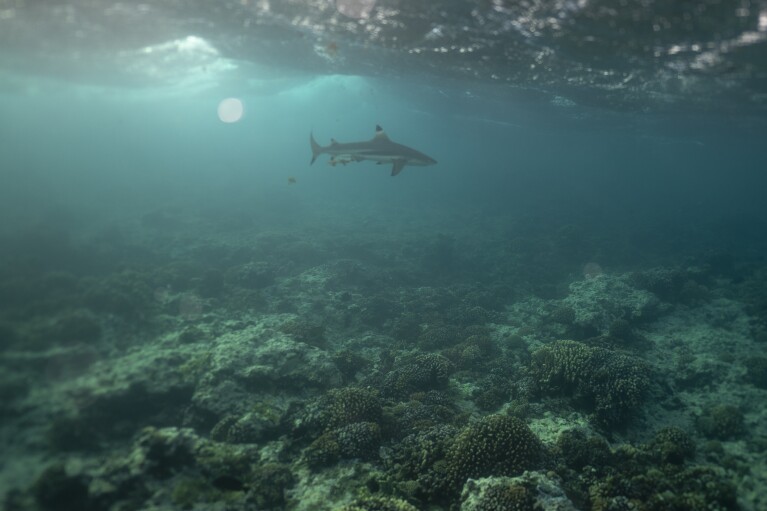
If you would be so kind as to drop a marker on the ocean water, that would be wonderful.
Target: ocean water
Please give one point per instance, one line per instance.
(567, 311)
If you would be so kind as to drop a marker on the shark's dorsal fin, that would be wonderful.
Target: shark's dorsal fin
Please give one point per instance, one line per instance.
(380, 133)
(333, 141)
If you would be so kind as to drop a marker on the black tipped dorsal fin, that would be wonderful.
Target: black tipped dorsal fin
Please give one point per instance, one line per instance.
(380, 133)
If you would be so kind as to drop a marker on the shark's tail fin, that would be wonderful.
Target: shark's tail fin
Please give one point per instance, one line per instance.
(316, 148)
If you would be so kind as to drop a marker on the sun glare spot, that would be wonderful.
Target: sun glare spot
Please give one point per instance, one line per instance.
(230, 110)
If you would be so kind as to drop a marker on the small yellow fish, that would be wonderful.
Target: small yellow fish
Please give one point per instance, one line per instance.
(292, 180)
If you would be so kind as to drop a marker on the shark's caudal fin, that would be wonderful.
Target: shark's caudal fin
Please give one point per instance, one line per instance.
(316, 148)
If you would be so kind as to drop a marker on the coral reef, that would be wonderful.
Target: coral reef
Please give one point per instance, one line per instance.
(499, 495)
(357, 440)
(338, 408)
(253, 275)
(440, 460)
(493, 391)
(651, 477)
(427, 371)
(673, 284)
(259, 424)
(422, 411)
(475, 353)
(611, 385)
(378, 504)
(306, 332)
(720, 421)
(666, 283)
(532, 491)
(128, 294)
(324, 451)
(496, 445)
(129, 400)
(248, 367)
(349, 363)
(199, 472)
(438, 336)
(756, 371)
(55, 490)
(672, 445)
(579, 450)
(596, 303)
(267, 485)
(77, 326)
(656, 489)
(245, 370)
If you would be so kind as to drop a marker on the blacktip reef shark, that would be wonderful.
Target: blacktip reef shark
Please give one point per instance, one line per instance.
(379, 149)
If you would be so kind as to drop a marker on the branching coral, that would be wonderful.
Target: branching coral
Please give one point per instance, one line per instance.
(611, 384)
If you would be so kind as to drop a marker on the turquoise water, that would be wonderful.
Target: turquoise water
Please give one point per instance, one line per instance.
(99, 152)
(566, 311)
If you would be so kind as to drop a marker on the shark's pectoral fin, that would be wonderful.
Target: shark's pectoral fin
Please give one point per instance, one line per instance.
(397, 167)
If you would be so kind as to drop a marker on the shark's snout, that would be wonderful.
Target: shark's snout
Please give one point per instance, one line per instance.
(422, 161)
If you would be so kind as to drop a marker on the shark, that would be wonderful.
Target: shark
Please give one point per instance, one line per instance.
(379, 149)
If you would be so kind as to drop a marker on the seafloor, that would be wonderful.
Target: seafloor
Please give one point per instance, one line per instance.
(188, 359)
